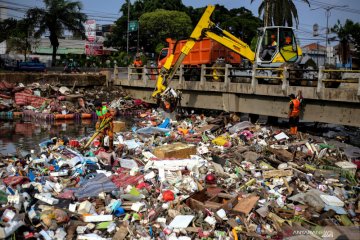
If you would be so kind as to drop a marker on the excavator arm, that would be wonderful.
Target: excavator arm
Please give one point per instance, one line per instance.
(166, 72)
(204, 28)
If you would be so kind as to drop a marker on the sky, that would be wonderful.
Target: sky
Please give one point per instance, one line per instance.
(106, 11)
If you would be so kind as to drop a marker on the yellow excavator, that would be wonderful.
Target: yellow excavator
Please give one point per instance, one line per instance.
(276, 46)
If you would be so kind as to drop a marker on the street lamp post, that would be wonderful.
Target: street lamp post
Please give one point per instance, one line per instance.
(328, 14)
(128, 22)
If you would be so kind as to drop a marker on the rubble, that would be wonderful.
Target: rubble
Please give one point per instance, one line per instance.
(180, 177)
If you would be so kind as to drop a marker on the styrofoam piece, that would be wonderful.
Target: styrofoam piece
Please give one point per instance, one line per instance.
(181, 221)
(90, 236)
(60, 233)
(137, 206)
(47, 199)
(14, 199)
(45, 235)
(150, 175)
(221, 213)
(81, 229)
(332, 200)
(309, 147)
(84, 207)
(72, 207)
(60, 173)
(347, 166)
(128, 163)
(98, 218)
(281, 136)
(178, 164)
(210, 220)
(10, 228)
(39, 160)
(8, 215)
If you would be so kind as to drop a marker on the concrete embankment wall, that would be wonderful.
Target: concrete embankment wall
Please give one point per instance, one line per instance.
(82, 80)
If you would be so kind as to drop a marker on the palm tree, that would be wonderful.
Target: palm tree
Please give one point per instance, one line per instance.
(349, 33)
(279, 12)
(56, 17)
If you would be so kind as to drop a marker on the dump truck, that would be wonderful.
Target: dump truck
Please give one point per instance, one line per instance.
(206, 51)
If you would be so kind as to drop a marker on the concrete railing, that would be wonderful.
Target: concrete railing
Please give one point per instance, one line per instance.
(320, 78)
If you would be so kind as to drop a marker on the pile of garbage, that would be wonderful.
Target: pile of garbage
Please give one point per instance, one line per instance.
(183, 177)
(59, 102)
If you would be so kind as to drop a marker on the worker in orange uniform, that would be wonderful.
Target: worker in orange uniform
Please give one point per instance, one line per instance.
(270, 49)
(104, 114)
(138, 64)
(294, 113)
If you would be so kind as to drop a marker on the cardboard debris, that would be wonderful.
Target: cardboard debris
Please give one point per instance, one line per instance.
(119, 126)
(245, 205)
(277, 173)
(175, 150)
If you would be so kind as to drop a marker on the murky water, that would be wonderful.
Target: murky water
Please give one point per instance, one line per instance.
(26, 135)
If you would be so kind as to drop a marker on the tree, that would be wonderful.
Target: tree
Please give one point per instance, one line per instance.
(239, 21)
(242, 23)
(279, 12)
(118, 37)
(20, 38)
(162, 24)
(6, 28)
(56, 17)
(349, 33)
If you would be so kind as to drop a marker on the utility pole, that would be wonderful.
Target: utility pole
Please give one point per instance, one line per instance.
(128, 21)
(138, 37)
(328, 14)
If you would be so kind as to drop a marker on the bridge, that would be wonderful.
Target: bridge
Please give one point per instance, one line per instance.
(257, 93)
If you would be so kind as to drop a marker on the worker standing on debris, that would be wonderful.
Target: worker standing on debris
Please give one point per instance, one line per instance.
(105, 117)
(294, 113)
(138, 64)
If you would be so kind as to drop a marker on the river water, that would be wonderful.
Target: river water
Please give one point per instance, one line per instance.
(25, 135)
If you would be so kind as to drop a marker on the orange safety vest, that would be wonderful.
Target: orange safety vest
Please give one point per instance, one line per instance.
(296, 108)
(138, 63)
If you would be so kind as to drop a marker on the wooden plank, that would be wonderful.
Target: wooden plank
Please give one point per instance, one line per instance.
(245, 205)
(175, 150)
(277, 173)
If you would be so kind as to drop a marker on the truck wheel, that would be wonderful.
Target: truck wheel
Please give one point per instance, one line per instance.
(194, 74)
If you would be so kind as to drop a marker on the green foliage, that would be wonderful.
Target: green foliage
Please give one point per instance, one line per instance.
(56, 17)
(152, 5)
(19, 37)
(279, 12)
(349, 33)
(159, 47)
(162, 24)
(241, 22)
(253, 43)
(6, 28)
(119, 34)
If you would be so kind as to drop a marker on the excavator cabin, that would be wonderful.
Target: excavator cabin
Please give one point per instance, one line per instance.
(276, 45)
